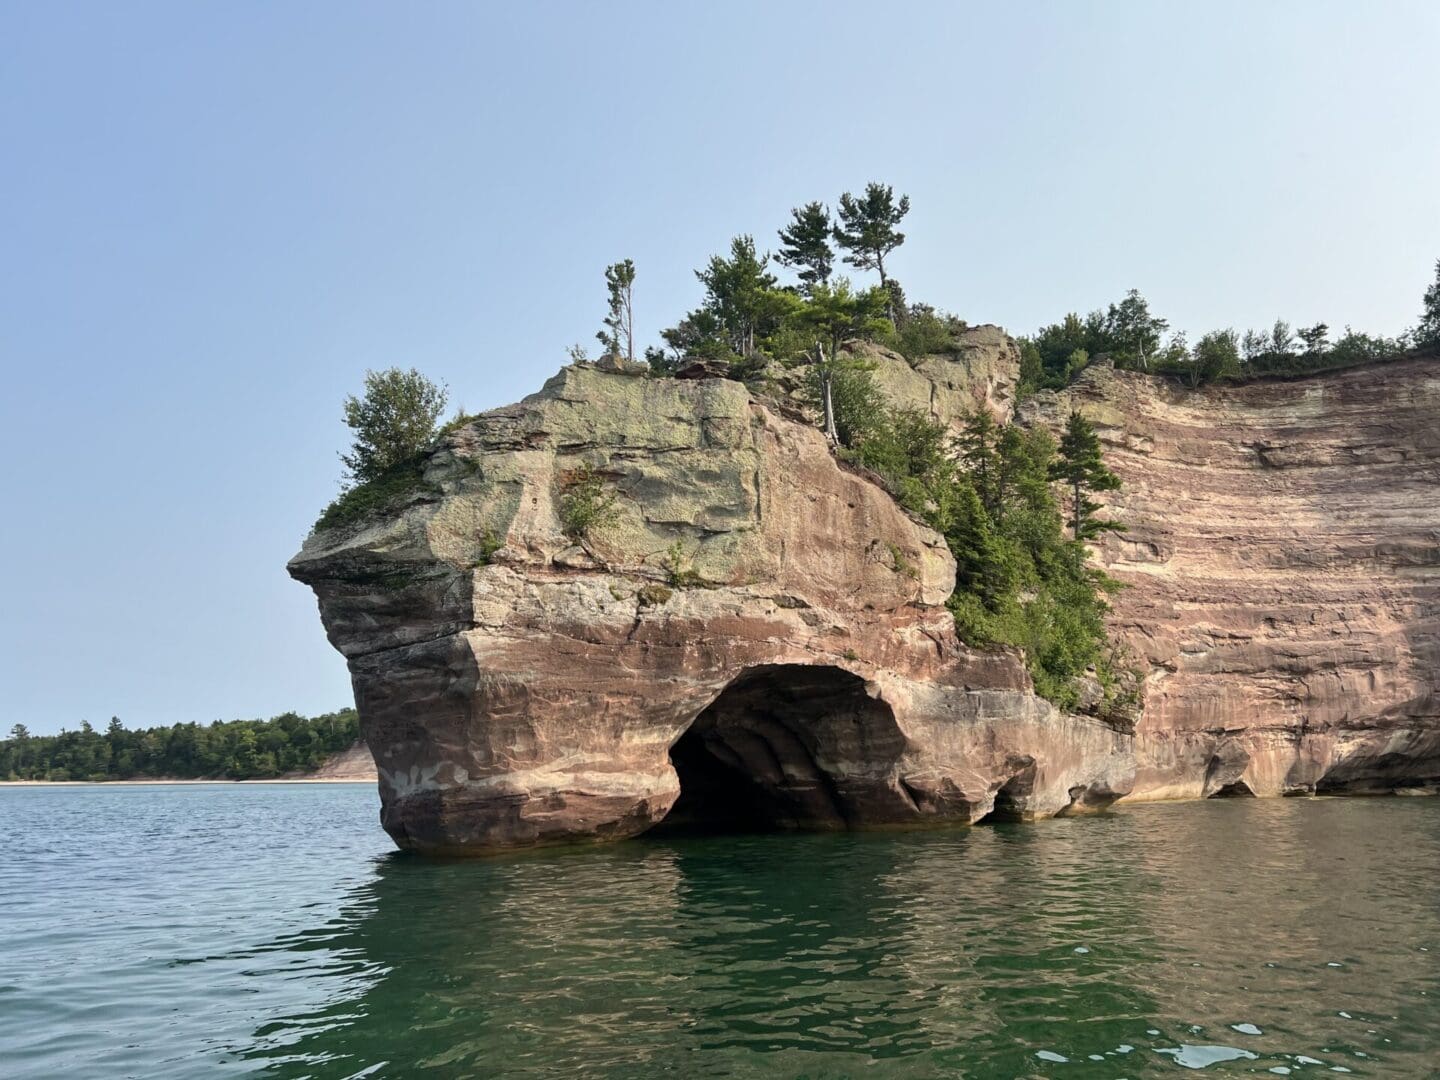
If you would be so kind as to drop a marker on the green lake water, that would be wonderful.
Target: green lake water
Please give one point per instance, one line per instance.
(207, 931)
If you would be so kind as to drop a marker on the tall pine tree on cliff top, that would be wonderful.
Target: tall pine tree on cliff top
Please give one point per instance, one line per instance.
(805, 244)
(619, 334)
(1427, 334)
(867, 228)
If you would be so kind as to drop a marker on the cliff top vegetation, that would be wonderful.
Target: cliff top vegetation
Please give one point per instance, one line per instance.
(1016, 508)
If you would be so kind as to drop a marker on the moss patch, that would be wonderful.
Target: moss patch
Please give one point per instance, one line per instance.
(392, 487)
(654, 595)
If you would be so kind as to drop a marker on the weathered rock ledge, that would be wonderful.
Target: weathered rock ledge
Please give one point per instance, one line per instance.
(808, 676)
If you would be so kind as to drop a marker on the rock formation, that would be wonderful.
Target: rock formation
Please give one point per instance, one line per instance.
(758, 633)
(1283, 564)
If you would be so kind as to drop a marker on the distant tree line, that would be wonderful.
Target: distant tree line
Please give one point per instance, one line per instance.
(230, 750)
(1133, 337)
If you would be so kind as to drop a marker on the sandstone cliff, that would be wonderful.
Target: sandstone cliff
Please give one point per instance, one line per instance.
(1283, 558)
(806, 675)
(791, 661)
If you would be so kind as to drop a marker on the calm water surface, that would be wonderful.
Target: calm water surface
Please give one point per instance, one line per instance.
(200, 931)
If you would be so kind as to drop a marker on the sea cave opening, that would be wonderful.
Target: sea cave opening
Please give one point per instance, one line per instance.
(783, 747)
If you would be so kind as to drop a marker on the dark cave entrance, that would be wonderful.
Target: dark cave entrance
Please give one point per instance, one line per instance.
(784, 747)
(1013, 798)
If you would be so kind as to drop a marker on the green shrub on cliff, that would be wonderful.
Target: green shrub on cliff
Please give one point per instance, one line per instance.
(385, 492)
(923, 331)
(585, 504)
(392, 422)
(1131, 336)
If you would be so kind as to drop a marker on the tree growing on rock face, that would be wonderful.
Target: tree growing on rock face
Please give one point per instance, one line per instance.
(805, 244)
(392, 422)
(977, 446)
(867, 227)
(1427, 334)
(835, 316)
(619, 333)
(1081, 467)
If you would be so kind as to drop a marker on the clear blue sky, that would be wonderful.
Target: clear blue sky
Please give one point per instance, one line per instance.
(214, 217)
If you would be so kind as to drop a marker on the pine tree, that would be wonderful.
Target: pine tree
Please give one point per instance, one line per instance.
(1315, 339)
(739, 292)
(867, 227)
(983, 565)
(619, 333)
(835, 316)
(1427, 334)
(1082, 467)
(976, 444)
(1132, 333)
(805, 244)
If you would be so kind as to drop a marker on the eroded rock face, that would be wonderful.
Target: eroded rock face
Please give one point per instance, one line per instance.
(1283, 564)
(807, 675)
(1283, 601)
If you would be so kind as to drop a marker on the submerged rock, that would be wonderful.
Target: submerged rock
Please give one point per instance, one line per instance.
(755, 634)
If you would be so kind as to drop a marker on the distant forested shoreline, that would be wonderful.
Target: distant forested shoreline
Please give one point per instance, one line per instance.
(225, 750)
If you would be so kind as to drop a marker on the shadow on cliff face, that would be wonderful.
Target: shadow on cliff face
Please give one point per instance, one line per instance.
(789, 746)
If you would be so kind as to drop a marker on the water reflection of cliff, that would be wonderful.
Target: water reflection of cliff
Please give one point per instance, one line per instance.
(963, 952)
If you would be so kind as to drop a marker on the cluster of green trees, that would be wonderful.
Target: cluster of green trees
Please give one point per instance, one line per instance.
(232, 750)
(1016, 509)
(749, 318)
(999, 495)
(1131, 335)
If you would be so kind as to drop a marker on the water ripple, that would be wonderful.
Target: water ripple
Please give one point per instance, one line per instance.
(168, 932)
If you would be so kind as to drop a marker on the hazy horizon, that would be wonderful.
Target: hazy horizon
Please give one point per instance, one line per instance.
(217, 218)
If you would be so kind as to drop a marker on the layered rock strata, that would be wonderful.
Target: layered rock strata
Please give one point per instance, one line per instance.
(756, 635)
(753, 634)
(1283, 570)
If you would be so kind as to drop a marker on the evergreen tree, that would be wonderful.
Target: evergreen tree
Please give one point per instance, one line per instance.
(982, 567)
(805, 244)
(1314, 338)
(619, 333)
(1427, 334)
(1282, 341)
(836, 316)
(976, 444)
(741, 294)
(1132, 332)
(1082, 468)
(867, 227)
